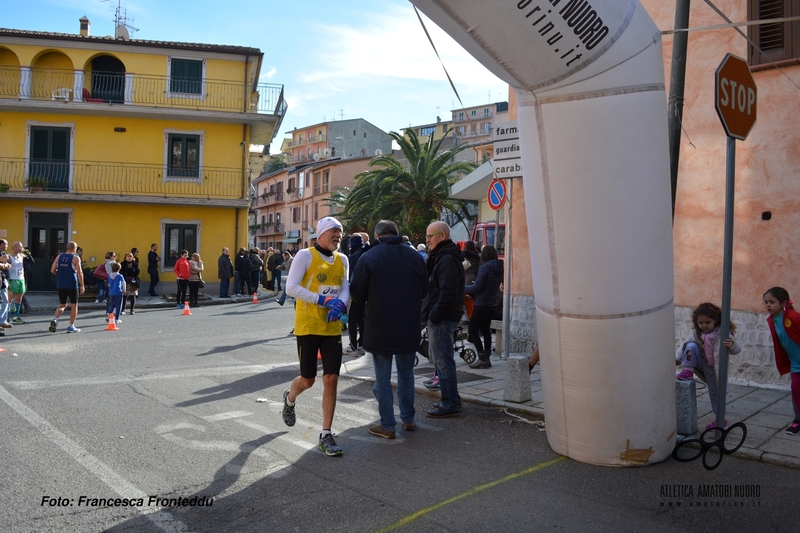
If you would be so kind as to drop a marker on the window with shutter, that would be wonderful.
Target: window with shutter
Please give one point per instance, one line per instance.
(186, 76)
(49, 157)
(778, 41)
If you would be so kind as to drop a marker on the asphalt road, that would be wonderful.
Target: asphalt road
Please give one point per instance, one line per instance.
(167, 408)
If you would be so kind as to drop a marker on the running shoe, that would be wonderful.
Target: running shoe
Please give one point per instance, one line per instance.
(685, 375)
(53, 326)
(73, 329)
(794, 429)
(17, 320)
(351, 351)
(329, 446)
(289, 417)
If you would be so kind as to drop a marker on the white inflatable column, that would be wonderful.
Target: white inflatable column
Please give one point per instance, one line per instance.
(593, 131)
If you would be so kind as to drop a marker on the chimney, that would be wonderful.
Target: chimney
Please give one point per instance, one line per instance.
(85, 26)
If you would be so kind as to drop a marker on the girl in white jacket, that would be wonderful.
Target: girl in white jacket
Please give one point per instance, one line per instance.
(700, 352)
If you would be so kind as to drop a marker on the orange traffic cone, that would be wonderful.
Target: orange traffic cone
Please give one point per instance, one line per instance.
(255, 297)
(186, 309)
(112, 323)
(319, 354)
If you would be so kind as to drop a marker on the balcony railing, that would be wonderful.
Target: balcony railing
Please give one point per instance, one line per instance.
(26, 83)
(298, 142)
(133, 179)
(317, 138)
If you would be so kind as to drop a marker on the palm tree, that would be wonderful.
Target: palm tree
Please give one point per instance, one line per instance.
(412, 193)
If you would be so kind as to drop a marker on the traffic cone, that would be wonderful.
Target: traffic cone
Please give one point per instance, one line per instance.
(186, 309)
(112, 323)
(255, 297)
(319, 354)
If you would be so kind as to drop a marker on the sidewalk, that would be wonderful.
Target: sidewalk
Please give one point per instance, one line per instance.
(765, 412)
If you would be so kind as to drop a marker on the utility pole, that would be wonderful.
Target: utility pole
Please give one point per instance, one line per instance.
(676, 87)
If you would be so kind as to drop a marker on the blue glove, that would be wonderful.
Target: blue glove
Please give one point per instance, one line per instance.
(334, 314)
(332, 303)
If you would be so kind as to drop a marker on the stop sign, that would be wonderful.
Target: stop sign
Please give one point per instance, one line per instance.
(735, 96)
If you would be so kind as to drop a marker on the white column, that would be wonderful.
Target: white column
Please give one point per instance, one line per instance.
(25, 79)
(77, 89)
(128, 88)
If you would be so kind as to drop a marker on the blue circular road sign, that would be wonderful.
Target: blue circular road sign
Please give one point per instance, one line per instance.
(497, 194)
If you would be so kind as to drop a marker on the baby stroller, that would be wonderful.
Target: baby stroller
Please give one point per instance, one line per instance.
(467, 354)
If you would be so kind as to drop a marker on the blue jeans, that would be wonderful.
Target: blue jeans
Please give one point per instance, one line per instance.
(693, 359)
(405, 388)
(224, 287)
(3, 306)
(440, 339)
(276, 279)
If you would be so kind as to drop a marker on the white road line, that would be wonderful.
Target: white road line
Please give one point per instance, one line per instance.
(127, 378)
(104, 473)
(226, 416)
(305, 445)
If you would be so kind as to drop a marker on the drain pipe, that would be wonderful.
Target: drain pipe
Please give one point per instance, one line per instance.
(589, 77)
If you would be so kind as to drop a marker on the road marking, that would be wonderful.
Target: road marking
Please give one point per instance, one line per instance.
(471, 492)
(227, 416)
(164, 520)
(127, 378)
(305, 445)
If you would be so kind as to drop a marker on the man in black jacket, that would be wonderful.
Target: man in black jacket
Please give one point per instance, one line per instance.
(391, 281)
(442, 308)
(355, 314)
(224, 272)
(243, 267)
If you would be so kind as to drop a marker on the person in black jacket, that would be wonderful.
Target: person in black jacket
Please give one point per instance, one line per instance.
(243, 267)
(473, 256)
(442, 309)
(355, 315)
(256, 264)
(129, 269)
(485, 292)
(391, 280)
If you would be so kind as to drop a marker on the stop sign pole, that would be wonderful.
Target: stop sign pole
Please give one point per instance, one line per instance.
(735, 102)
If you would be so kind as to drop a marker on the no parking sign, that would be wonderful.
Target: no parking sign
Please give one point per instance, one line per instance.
(497, 194)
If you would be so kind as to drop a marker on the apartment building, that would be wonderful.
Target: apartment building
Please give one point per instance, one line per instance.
(119, 143)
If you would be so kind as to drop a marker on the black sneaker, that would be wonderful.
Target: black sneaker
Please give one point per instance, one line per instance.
(53, 326)
(329, 446)
(794, 429)
(288, 411)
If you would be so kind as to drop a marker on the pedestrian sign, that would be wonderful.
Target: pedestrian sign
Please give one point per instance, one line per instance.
(497, 194)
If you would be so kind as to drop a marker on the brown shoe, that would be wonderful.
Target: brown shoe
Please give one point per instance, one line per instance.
(410, 427)
(378, 430)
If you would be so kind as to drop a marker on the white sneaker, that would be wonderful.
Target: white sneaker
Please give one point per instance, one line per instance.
(351, 351)
(73, 329)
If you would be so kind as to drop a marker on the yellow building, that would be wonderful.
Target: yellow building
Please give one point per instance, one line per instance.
(119, 143)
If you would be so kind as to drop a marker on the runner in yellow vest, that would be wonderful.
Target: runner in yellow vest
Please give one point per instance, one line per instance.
(318, 281)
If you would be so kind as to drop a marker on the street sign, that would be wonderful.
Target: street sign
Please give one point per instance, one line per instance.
(497, 194)
(735, 96)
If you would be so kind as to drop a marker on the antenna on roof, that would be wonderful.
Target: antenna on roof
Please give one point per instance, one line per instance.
(122, 22)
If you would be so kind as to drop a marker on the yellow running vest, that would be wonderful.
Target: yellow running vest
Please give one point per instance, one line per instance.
(325, 279)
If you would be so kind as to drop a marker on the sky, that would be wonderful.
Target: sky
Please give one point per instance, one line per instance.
(338, 59)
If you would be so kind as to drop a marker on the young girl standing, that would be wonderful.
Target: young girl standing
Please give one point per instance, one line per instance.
(784, 324)
(700, 352)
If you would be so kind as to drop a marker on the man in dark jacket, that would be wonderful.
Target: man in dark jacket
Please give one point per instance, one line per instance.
(274, 261)
(391, 281)
(256, 264)
(225, 272)
(355, 314)
(243, 267)
(442, 309)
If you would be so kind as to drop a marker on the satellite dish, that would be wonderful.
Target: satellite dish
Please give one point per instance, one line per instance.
(327, 152)
(378, 152)
(121, 32)
(316, 156)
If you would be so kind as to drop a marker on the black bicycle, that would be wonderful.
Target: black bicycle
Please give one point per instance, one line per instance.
(724, 441)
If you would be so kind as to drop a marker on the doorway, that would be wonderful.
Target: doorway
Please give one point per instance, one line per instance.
(47, 237)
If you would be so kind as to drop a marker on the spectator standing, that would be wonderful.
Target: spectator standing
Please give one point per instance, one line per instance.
(256, 264)
(182, 271)
(5, 266)
(442, 309)
(272, 265)
(70, 285)
(287, 264)
(224, 272)
(485, 292)
(152, 268)
(27, 265)
(196, 274)
(129, 269)
(243, 267)
(471, 257)
(422, 252)
(355, 316)
(319, 282)
(116, 292)
(392, 319)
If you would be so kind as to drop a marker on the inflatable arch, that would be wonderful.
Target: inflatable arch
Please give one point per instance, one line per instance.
(589, 78)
